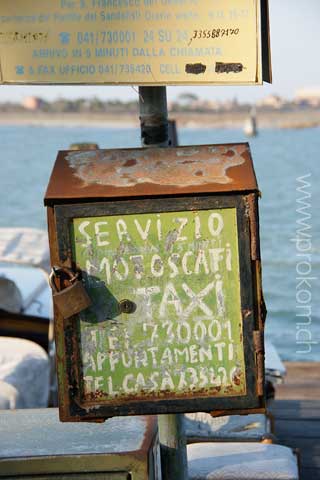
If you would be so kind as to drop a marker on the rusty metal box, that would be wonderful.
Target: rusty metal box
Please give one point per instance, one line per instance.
(34, 444)
(167, 243)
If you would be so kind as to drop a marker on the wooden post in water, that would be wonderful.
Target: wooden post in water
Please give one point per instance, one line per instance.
(154, 133)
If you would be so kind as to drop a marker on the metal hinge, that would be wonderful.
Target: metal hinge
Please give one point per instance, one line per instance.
(258, 343)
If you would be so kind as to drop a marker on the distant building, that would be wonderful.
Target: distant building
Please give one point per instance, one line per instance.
(272, 101)
(194, 104)
(230, 105)
(202, 105)
(214, 105)
(308, 97)
(32, 103)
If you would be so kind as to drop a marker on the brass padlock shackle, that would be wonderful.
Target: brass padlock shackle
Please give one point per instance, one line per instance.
(54, 273)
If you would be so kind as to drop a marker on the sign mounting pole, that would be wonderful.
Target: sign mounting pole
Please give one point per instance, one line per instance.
(154, 133)
(153, 117)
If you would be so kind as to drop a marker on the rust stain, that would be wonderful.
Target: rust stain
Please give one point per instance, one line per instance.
(99, 397)
(229, 153)
(221, 413)
(139, 172)
(130, 163)
(158, 166)
(252, 210)
(236, 378)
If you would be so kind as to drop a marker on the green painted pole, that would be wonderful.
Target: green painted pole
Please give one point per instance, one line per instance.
(172, 439)
(154, 133)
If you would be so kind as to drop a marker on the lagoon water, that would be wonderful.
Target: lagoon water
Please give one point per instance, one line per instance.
(281, 157)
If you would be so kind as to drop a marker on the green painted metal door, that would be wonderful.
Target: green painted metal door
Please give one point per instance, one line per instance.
(166, 318)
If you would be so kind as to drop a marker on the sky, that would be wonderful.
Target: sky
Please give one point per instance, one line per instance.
(295, 42)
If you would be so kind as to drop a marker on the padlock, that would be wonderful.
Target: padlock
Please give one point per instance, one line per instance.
(72, 299)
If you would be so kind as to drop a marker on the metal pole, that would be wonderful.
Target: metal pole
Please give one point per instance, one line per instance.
(174, 465)
(154, 133)
(153, 116)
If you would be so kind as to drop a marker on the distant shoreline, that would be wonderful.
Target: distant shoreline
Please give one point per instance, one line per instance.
(273, 119)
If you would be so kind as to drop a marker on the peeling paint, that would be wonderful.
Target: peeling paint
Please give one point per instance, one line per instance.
(123, 168)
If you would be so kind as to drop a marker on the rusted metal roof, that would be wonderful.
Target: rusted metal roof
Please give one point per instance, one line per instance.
(103, 174)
